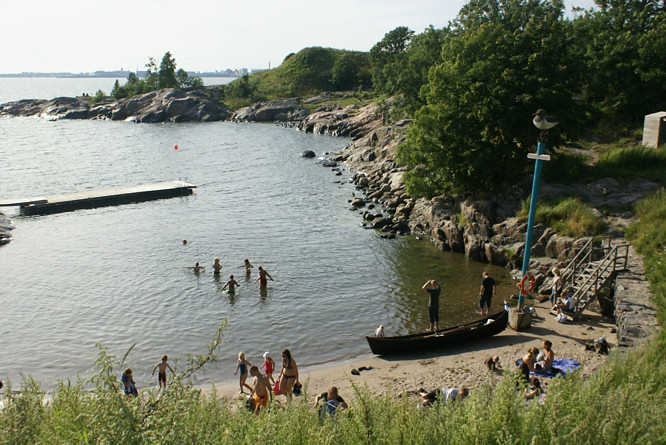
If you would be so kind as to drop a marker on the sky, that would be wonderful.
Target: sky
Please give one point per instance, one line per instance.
(81, 36)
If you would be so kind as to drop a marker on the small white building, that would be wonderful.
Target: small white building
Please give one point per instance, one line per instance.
(654, 129)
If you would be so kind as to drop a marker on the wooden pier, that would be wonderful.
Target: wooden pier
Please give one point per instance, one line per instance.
(44, 205)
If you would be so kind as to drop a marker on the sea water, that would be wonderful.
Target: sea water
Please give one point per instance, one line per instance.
(116, 275)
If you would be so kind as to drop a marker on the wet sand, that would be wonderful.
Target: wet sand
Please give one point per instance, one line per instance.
(457, 366)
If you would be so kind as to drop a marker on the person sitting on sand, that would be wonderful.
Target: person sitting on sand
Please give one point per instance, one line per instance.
(445, 395)
(534, 390)
(162, 366)
(243, 366)
(128, 383)
(262, 277)
(561, 317)
(288, 374)
(197, 268)
(262, 389)
(331, 401)
(545, 360)
(530, 358)
(217, 267)
(248, 267)
(231, 284)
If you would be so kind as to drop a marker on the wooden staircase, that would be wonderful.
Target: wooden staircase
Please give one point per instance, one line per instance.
(592, 269)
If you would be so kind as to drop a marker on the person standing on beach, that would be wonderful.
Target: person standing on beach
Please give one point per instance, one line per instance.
(243, 367)
(261, 391)
(433, 303)
(128, 382)
(262, 277)
(162, 367)
(269, 366)
(486, 293)
(556, 288)
(289, 374)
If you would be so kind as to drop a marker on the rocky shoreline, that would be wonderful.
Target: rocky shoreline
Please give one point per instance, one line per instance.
(485, 230)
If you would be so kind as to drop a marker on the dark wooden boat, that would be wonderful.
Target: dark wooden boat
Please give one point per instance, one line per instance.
(443, 338)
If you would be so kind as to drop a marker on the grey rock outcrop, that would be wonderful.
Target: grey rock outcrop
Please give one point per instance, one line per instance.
(273, 111)
(167, 105)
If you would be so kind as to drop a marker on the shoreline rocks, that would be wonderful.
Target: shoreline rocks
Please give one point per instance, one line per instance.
(167, 105)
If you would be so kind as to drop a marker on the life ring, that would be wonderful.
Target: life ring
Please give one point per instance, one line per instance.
(523, 284)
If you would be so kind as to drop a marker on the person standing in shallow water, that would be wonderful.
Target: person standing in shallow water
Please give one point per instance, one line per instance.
(433, 303)
(486, 294)
(217, 267)
(262, 277)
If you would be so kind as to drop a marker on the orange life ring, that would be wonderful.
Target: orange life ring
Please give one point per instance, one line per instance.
(523, 283)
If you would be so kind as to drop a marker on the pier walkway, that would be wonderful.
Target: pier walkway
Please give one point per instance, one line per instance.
(99, 198)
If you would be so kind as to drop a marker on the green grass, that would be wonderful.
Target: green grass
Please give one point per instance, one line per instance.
(626, 161)
(568, 217)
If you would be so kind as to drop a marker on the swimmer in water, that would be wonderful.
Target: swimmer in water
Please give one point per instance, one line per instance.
(217, 267)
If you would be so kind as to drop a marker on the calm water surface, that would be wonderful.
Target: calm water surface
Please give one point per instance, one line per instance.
(116, 275)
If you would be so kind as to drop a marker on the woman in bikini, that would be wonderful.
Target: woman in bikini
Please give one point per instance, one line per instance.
(289, 374)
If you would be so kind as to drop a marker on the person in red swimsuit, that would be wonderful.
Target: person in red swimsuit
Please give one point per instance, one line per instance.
(269, 366)
(262, 277)
(162, 367)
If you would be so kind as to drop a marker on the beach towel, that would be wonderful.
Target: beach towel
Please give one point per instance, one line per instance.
(561, 366)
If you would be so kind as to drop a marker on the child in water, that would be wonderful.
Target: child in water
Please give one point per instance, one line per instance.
(217, 267)
(243, 367)
(231, 284)
(197, 268)
(248, 267)
(162, 367)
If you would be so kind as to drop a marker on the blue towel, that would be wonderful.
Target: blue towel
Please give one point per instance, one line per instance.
(561, 366)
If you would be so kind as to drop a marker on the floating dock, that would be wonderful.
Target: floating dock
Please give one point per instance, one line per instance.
(44, 205)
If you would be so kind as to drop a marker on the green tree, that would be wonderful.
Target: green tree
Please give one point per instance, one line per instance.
(502, 61)
(350, 71)
(388, 56)
(239, 88)
(166, 76)
(623, 42)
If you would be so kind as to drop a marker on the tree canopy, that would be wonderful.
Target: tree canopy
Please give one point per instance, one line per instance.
(501, 61)
(167, 76)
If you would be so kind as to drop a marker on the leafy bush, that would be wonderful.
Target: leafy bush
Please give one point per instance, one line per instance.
(565, 167)
(569, 217)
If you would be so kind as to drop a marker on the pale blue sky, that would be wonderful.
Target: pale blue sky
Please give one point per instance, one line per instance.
(87, 35)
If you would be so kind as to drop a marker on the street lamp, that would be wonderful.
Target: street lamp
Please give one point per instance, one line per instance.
(544, 123)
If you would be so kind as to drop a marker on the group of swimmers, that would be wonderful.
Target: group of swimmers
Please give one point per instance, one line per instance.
(232, 284)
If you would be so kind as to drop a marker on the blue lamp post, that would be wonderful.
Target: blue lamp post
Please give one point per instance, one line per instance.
(544, 123)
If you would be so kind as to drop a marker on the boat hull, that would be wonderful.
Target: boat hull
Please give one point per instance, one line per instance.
(443, 338)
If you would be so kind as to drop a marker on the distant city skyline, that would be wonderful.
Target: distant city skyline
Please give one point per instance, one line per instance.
(82, 36)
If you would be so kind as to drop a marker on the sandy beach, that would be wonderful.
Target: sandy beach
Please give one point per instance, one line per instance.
(458, 366)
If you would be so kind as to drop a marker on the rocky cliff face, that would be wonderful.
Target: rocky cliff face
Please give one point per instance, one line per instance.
(168, 105)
